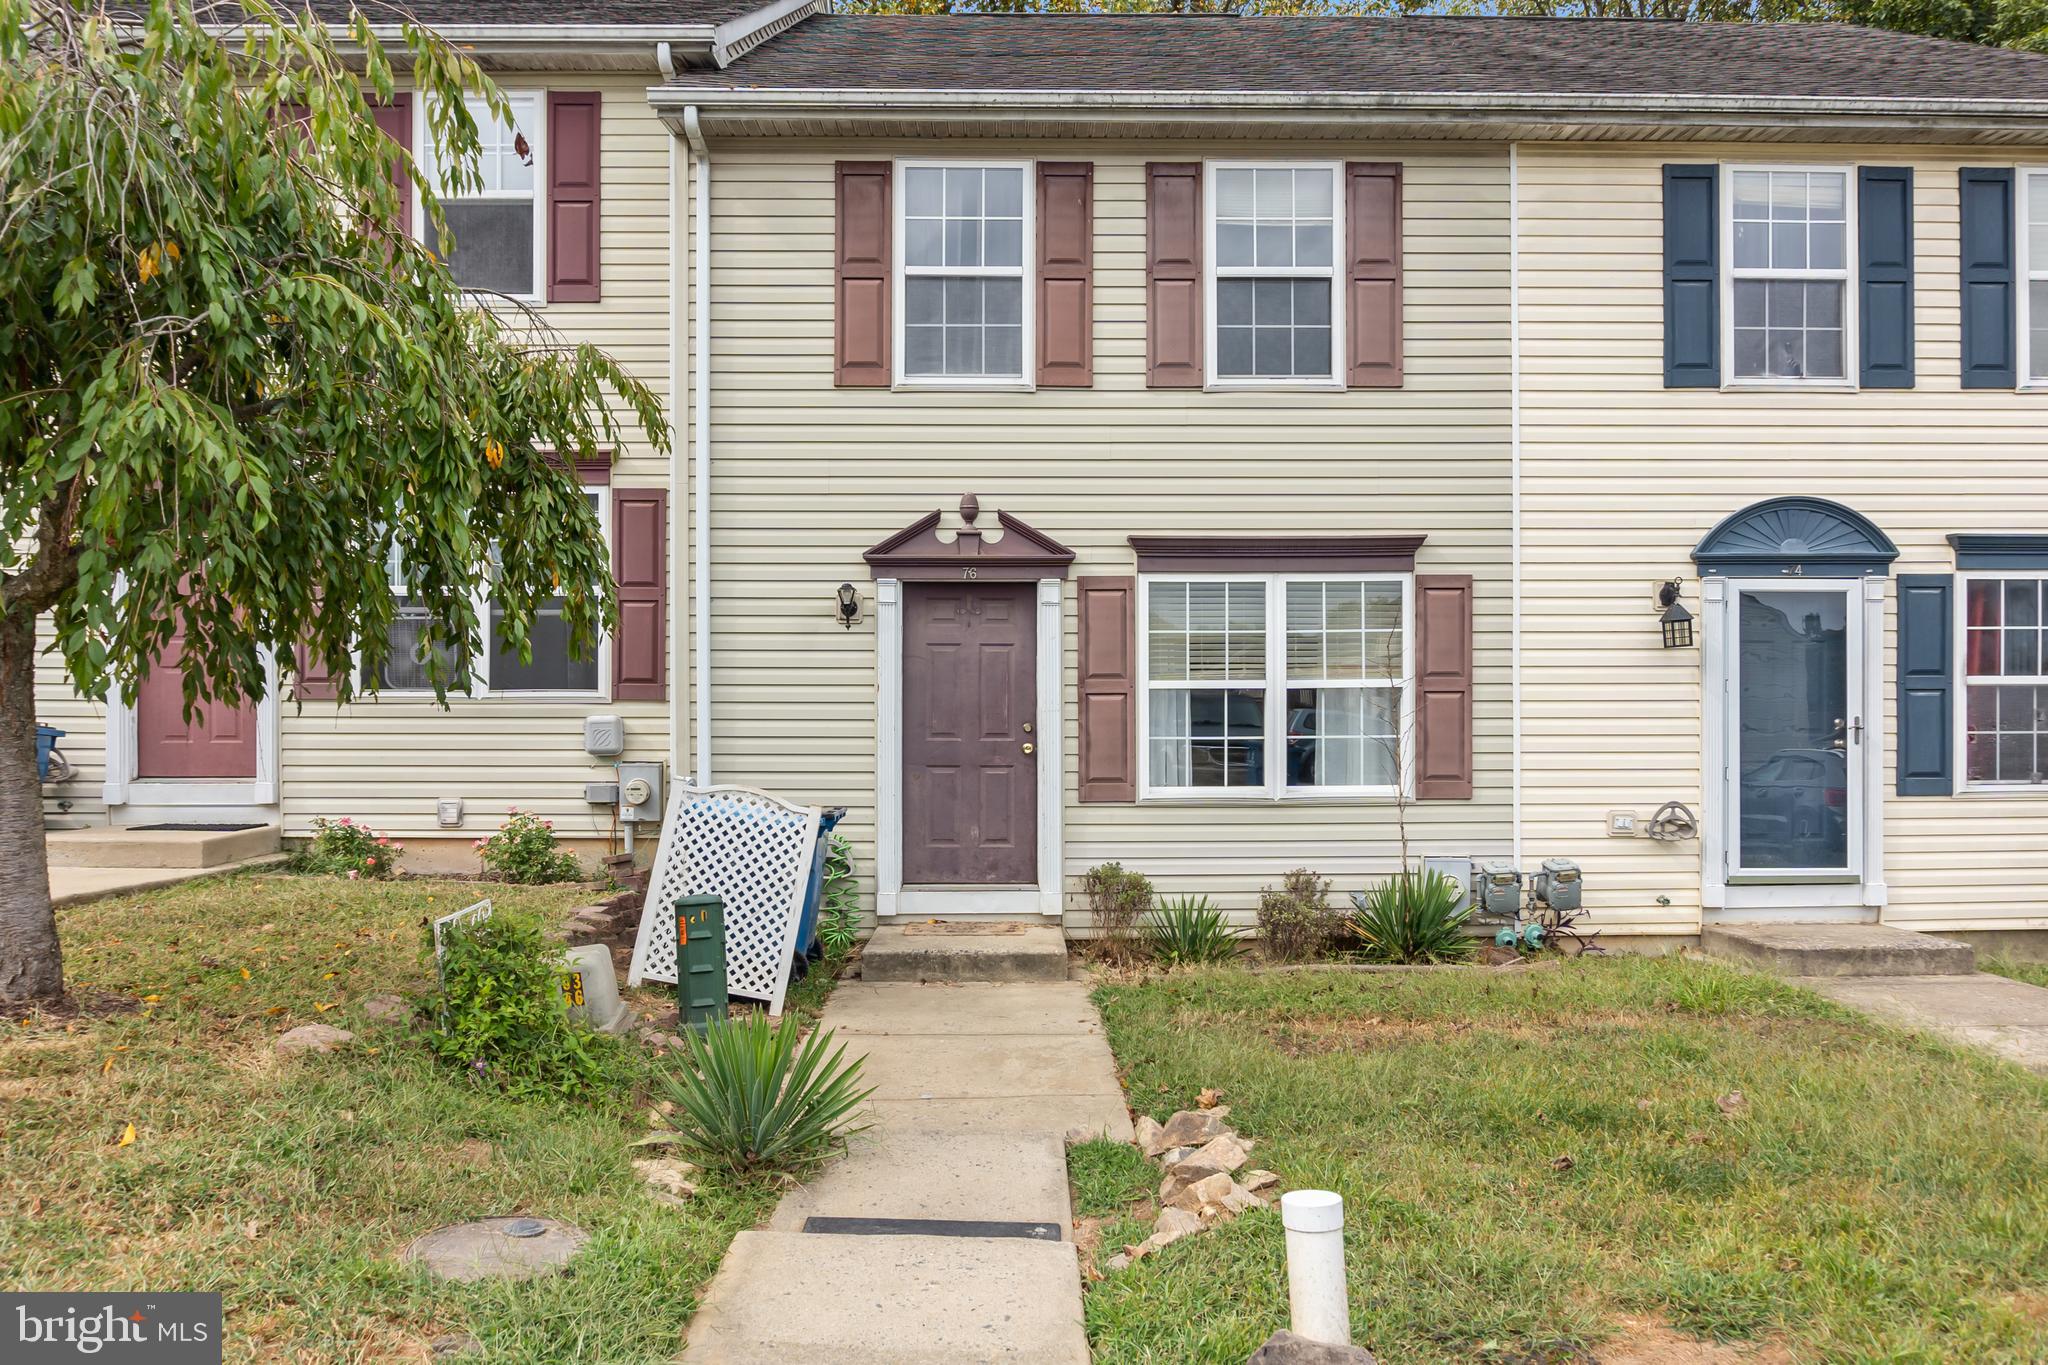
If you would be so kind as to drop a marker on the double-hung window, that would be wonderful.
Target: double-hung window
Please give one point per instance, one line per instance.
(553, 669)
(1789, 306)
(497, 228)
(1274, 296)
(2005, 680)
(1275, 685)
(2033, 295)
(964, 305)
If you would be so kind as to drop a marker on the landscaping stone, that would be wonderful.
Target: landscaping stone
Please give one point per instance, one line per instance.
(1210, 1189)
(1193, 1127)
(667, 1175)
(1172, 1225)
(497, 1248)
(1173, 1156)
(1285, 1348)
(1225, 1152)
(1258, 1182)
(1239, 1199)
(1145, 1132)
(387, 1009)
(1117, 1262)
(312, 1038)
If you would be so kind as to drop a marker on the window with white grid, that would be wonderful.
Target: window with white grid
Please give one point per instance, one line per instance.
(2005, 680)
(1788, 232)
(965, 235)
(2033, 303)
(1275, 302)
(497, 226)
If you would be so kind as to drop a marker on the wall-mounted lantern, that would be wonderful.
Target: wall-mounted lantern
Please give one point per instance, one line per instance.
(1676, 621)
(848, 605)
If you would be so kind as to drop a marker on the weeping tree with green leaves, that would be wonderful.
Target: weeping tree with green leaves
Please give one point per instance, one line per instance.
(231, 385)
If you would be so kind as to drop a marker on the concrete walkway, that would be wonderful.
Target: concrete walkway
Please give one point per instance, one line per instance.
(1983, 1010)
(978, 1090)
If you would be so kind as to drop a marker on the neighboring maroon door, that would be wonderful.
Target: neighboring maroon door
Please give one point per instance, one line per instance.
(970, 780)
(219, 740)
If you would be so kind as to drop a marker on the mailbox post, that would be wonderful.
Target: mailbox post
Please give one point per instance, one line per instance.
(700, 960)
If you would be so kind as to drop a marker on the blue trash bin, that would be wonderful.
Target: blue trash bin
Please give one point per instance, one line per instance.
(814, 895)
(46, 744)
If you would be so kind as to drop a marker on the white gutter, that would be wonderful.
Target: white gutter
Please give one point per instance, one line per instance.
(678, 651)
(1515, 495)
(700, 440)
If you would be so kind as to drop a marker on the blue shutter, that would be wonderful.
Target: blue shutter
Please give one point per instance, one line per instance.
(1926, 685)
(1692, 284)
(1884, 263)
(1989, 361)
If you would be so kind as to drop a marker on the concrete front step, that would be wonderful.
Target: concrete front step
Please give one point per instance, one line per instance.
(792, 1298)
(976, 950)
(999, 1177)
(167, 848)
(1838, 950)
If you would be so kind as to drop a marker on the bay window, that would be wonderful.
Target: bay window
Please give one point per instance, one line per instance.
(1274, 295)
(964, 305)
(497, 227)
(1788, 233)
(2005, 681)
(1274, 685)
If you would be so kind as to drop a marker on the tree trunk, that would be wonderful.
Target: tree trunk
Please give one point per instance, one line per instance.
(31, 963)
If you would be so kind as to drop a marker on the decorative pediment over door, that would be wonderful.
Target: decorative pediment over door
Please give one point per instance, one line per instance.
(928, 551)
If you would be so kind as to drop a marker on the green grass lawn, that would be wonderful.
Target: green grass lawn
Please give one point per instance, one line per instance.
(290, 1185)
(1535, 1165)
(2034, 973)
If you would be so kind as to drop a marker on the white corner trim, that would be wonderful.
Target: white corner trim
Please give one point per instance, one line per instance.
(1515, 499)
(1051, 762)
(700, 438)
(123, 787)
(888, 746)
(1715, 622)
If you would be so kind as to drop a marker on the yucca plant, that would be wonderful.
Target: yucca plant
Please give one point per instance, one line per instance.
(1412, 917)
(1189, 931)
(750, 1098)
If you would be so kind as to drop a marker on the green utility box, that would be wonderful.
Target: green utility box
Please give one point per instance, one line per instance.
(700, 960)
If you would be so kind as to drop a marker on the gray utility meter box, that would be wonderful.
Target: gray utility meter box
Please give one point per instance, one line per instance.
(1500, 890)
(1455, 869)
(1557, 884)
(640, 792)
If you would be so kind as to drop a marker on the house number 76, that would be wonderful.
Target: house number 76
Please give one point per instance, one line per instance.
(970, 571)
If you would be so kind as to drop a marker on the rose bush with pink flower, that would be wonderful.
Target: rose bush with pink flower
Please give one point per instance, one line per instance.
(348, 849)
(525, 850)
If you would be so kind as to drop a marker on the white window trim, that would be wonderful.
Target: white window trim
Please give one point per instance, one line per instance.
(1025, 271)
(1962, 680)
(422, 151)
(1335, 381)
(1275, 684)
(1847, 275)
(480, 678)
(2028, 270)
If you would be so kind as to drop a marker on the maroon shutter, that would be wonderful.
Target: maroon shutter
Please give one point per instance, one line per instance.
(1173, 275)
(395, 119)
(1108, 678)
(861, 252)
(1372, 272)
(1443, 686)
(573, 195)
(1066, 268)
(640, 568)
(314, 682)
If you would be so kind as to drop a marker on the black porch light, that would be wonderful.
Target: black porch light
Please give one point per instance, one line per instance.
(1676, 621)
(849, 605)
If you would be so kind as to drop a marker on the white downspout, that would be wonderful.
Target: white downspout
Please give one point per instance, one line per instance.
(1515, 495)
(700, 439)
(678, 650)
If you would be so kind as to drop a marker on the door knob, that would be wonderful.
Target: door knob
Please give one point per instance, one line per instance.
(1027, 748)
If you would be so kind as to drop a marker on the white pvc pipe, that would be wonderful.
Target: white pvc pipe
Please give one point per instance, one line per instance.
(1316, 1300)
(700, 493)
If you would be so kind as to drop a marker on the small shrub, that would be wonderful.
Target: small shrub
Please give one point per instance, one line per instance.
(1118, 901)
(525, 851)
(502, 1018)
(1296, 920)
(1412, 917)
(839, 912)
(749, 1097)
(346, 849)
(1189, 931)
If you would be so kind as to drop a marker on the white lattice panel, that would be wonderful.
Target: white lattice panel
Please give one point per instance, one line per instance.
(753, 852)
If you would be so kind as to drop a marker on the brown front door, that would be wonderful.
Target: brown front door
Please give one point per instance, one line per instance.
(219, 740)
(970, 781)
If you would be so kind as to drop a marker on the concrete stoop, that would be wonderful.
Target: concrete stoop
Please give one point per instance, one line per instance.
(1833, 950)
(783, 1298)
(107, 846)
(965, 950)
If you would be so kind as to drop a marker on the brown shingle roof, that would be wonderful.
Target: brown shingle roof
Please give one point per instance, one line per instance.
(668, 14)
(1413, 55)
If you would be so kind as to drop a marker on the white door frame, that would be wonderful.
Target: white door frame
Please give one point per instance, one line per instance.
(891, 898)
(124, 788)
(1858, 894)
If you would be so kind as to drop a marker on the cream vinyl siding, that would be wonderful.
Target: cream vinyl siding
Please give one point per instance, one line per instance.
(1621, 478)
(84, 722)
(388, 760)
(806, 476)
